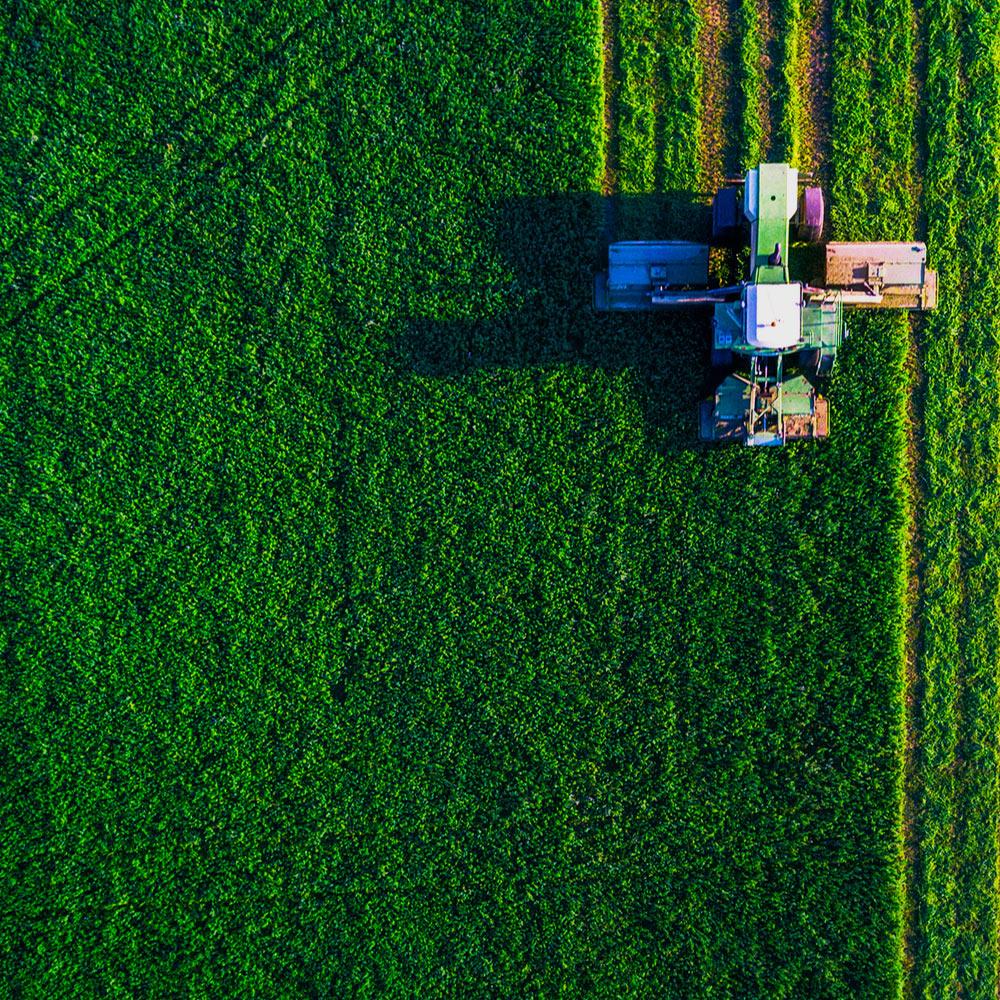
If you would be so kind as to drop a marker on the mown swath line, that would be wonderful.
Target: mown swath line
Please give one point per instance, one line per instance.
(129, 151)
(778, 43)
(214, 170)
(747, 26)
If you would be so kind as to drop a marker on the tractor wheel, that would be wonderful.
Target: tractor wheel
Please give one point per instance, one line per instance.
(721, 358)
(725, 217)
(811, 215)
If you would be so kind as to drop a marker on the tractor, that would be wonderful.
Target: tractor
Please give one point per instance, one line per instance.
(773, 338)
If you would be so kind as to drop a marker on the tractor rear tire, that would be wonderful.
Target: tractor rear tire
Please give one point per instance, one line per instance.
(811, 216)
(726, 217)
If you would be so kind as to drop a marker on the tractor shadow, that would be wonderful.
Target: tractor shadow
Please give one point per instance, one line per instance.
(549, 249)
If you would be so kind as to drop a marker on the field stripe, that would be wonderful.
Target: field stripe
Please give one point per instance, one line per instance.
(955, 936)
(873, 130)
(976, 759)
(935, 971)
(658, 100)
(786, 94)
(814, 77)
(718, 142)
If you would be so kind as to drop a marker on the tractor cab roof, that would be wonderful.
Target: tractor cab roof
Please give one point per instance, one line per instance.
(772, 315)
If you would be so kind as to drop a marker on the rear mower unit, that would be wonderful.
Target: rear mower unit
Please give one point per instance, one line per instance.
(778, 335)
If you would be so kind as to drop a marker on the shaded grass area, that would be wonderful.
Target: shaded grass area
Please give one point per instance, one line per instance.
(378, 626)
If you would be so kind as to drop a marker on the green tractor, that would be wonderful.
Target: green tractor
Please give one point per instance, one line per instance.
(776, 337)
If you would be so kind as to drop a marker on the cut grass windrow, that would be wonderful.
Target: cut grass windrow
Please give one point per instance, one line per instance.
(813, 86)
(717, 145)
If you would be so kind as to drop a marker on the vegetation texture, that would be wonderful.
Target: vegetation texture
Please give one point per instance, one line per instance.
(373, 622)
(956, 929)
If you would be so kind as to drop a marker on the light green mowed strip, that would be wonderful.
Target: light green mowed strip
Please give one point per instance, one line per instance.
(379, 625)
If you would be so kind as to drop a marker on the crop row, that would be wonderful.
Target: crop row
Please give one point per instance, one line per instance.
(957, 927)
(789, 99)
(872, 197)
(753, 82)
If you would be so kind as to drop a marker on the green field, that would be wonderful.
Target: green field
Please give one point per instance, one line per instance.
(374, 623)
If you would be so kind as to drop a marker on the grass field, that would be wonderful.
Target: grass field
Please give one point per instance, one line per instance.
(374, 623)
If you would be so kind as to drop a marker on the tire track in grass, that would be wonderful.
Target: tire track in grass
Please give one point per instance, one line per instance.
(144, 151)
(186, 201)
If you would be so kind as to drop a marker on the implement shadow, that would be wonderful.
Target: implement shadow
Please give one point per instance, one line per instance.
(542, 314)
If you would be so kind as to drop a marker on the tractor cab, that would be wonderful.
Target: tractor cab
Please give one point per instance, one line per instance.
(772, 316)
